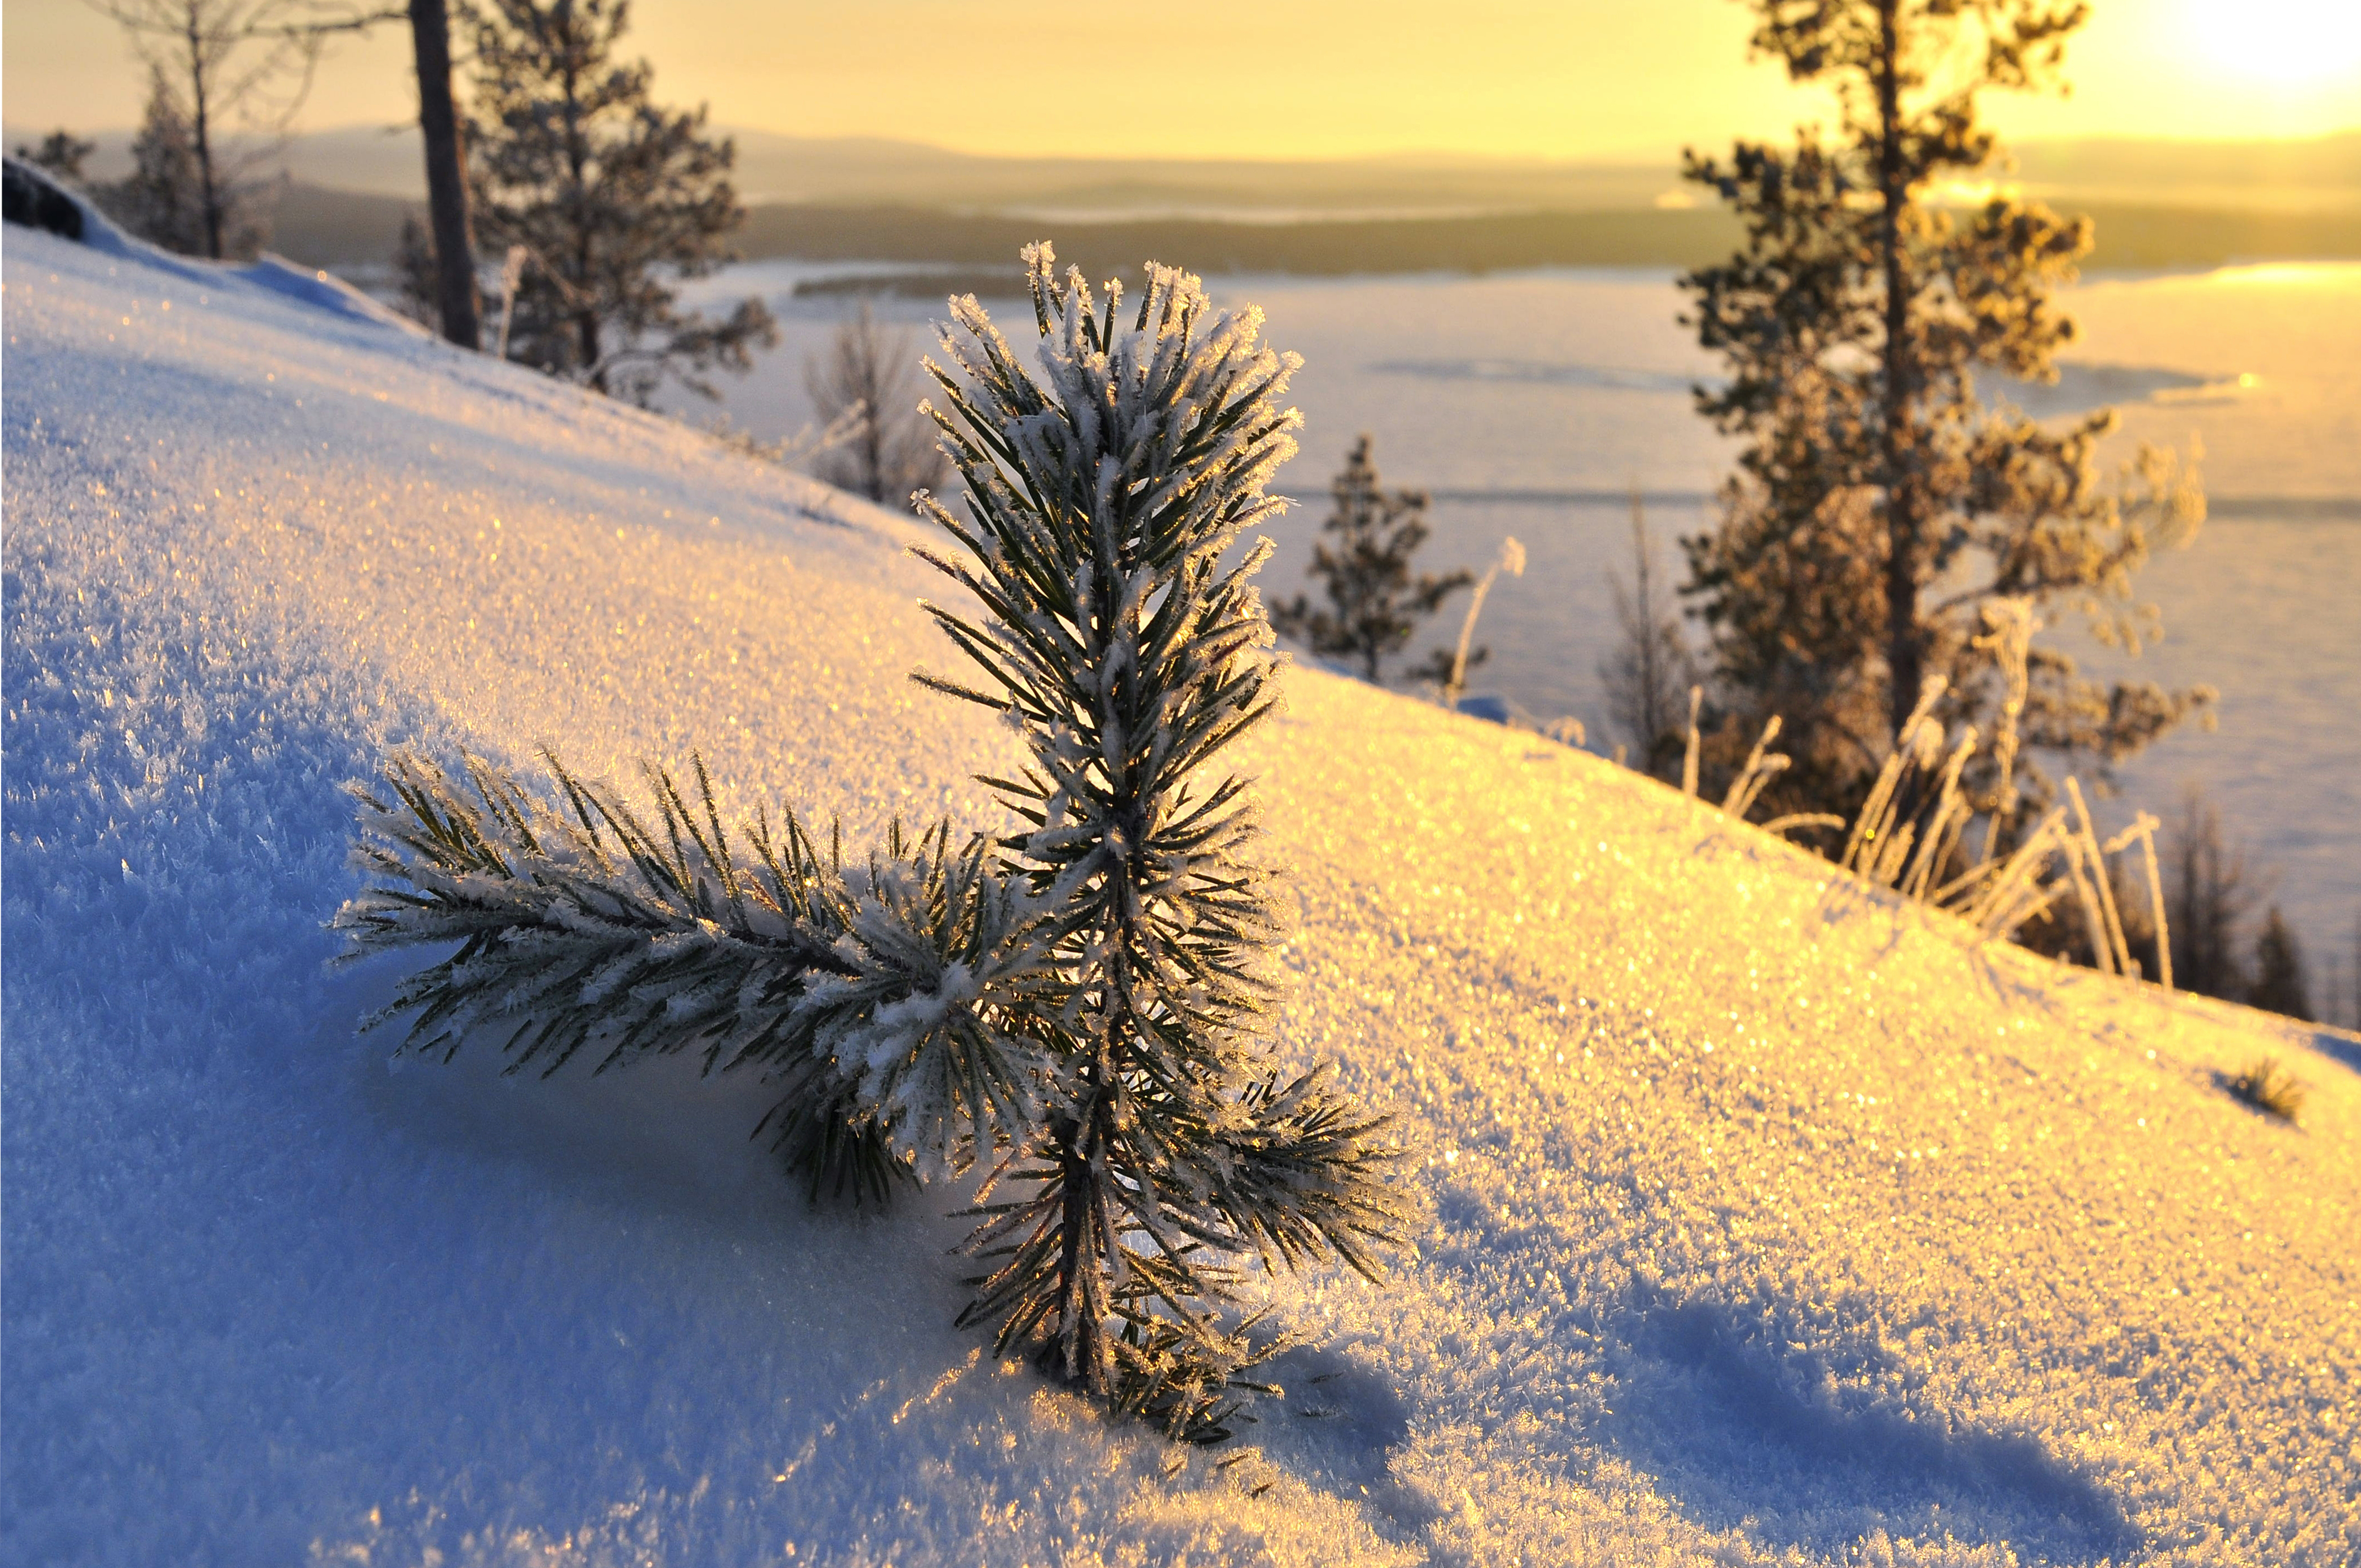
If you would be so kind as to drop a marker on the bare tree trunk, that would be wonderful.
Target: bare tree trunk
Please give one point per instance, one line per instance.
(446, 173)
(201, 129)
(1903, 502)
(586, 334)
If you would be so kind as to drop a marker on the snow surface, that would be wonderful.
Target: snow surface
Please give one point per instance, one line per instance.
(1764, 1221)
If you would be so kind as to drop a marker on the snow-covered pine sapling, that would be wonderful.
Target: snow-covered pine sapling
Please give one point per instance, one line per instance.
(894, 999)
(1074, 1004)
(1099, 502)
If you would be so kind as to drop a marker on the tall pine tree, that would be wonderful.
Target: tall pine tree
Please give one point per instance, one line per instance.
(1880, 503)
(614, 199)
(1078, 1004)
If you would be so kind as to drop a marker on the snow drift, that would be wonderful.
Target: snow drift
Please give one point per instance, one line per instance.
(1763, 1219)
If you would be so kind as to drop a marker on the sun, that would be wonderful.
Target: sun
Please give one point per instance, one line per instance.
(2292, 42)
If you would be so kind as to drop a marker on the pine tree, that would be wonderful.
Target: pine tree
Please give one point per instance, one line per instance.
(60, 152)
(417, 274)
(230, 65)
(2209, 894)
(614, 199)
(2280, 981)
(1880, 504)
(162, 199)
(1073, 1004)
(1375, 603)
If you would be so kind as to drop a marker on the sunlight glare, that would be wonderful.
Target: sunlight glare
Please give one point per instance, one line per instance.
(2286, 41)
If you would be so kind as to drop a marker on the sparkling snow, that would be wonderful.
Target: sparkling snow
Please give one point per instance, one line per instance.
(1766, 1221)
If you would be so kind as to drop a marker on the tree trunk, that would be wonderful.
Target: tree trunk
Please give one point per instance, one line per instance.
(586, 335)
(446, 174)
(1077, 1353)
(200, 116)
(1896, 450)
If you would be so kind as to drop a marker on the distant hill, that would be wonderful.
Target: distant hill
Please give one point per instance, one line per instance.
(2159, 205)
(348, 230)
(2322, 173)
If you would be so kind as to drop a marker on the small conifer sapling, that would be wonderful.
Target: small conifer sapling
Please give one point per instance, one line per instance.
(1076, 1005)
(1375, 601)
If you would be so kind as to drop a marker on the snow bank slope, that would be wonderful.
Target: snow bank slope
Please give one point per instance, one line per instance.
(1767, 1224)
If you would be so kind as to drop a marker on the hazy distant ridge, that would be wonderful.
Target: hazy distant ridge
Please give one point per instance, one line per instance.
(2322, 172)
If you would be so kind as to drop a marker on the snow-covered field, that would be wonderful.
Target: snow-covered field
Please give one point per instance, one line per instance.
(1763, 1222)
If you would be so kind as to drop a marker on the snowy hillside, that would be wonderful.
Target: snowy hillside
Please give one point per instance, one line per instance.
(1763, 1222)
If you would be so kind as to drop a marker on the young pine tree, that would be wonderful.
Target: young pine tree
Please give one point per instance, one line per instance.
(163, 200)
(614, 199)
(1880, 504)
(417, 275)
(1076, 1005)
(60, 152)
(2281, 984)
(2209, 894)
(1375, 603)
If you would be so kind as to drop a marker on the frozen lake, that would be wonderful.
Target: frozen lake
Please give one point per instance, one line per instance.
(1511, 396)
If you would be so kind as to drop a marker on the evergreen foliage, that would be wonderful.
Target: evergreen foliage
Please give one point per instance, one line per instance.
(163, 198)
(417, 274)
(1074, 1006)
(613, 198)
(1364, 557)
(2280, 981)
(2209, 894)
(60, 152)
(865, 388)
(218, 66)
(1880, 503)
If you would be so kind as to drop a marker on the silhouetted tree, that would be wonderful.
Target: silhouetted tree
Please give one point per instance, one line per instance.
(614, 199)
(232, 65)
(868, 386)
(60, 152)
(1879, 504)
(2278, 971)
(162, 199)
(2207, 894)
(417, 274)
(456, 308)
(1375, 602)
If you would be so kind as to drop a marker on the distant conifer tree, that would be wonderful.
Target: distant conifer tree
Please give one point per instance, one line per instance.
(2279, 980)
(1364, 557)
(1079, 1005)
(1880, 502)
(162, 199)
(224, 66)
(2209, 894)
(417, 274)
(614, 198)
(60, 152)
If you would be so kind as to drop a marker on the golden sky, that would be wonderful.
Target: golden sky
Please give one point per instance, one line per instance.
(1293, 78)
